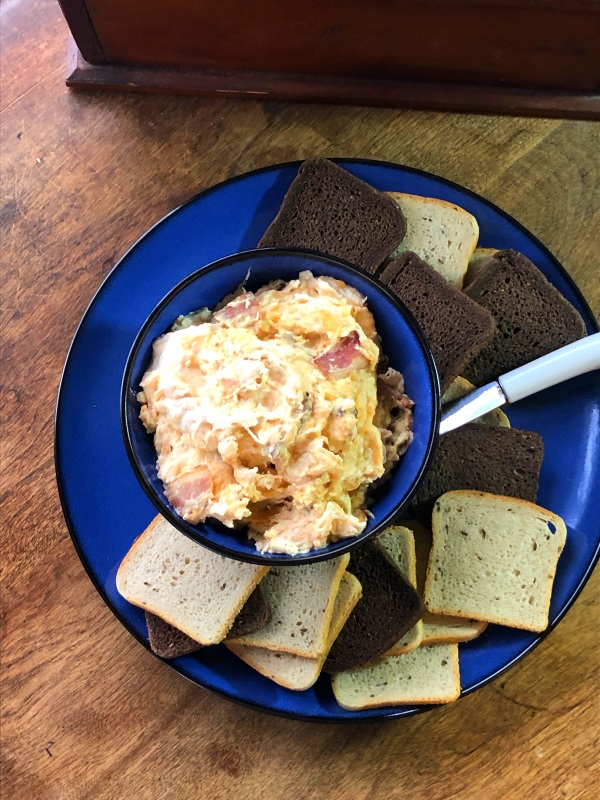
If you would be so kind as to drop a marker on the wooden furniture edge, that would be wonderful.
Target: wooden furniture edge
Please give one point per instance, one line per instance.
(76, 14)
(326, 89)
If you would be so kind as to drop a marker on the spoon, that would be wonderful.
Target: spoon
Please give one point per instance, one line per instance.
(567, 362)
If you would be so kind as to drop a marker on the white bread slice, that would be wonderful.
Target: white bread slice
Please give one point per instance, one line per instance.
(426, 675)
(459, 388)
(478, 260)
(296, 672)
(399, 544)
(442, 234)
(493, 558)
(187, 585)
(301, 600)
(437, 628)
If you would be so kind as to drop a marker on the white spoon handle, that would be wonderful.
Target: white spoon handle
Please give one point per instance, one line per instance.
(568, 362)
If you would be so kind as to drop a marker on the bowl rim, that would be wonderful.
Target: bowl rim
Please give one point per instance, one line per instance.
(256, 557)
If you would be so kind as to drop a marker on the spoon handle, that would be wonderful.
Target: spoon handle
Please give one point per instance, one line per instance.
(567, 362)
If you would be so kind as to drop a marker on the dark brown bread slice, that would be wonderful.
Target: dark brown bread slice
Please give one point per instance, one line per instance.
(169, 642)
(254, 616)
(455, 326)
(166, 640)
(485, 458)
(389, 607)
(532, 317)
(328, 209)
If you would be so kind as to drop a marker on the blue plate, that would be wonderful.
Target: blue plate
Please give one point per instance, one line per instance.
(105, 507)
(403, 342)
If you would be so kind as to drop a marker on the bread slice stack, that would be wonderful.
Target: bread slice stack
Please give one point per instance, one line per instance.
(302, 600)
(197, 591)
(388, 609)
(167, 641)
(299, 672)
(490, 559)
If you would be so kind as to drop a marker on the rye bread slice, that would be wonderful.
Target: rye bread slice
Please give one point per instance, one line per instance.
(426, 675)
(169, 642)
(494, 559)
(484, 458)
(532, 317)
(328, 209)
(388, 608)
(456, 327)
(254, 616)
(166, 641)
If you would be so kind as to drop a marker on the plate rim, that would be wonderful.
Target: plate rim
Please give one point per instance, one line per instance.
(392, 712)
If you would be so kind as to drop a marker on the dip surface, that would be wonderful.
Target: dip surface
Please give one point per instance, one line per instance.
(264, 415)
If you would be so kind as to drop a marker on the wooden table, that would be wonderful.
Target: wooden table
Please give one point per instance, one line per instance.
(86, 712)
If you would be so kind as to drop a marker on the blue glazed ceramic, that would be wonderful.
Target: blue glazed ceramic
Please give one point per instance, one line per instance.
(402, 342)
(106, 508)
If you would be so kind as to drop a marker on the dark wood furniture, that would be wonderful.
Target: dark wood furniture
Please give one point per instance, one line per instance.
(511, 56)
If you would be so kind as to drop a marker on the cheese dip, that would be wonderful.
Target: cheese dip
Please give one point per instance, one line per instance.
(265, 413)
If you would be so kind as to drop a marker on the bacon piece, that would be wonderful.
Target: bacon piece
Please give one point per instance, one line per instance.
(192, 486)
(343, 355)
(242, 312)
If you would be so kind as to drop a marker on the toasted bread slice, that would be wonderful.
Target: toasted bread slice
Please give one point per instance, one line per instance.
(426, 675)
(532, 317)
(494, 559)
(197, 591)
(302, 599)
(399, 544)
(485, 458)
(441, 233)
(456, 327)
(296, 672)
(437, 628)
(328, 209)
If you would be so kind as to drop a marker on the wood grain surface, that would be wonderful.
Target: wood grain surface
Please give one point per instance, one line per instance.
(87, 712)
